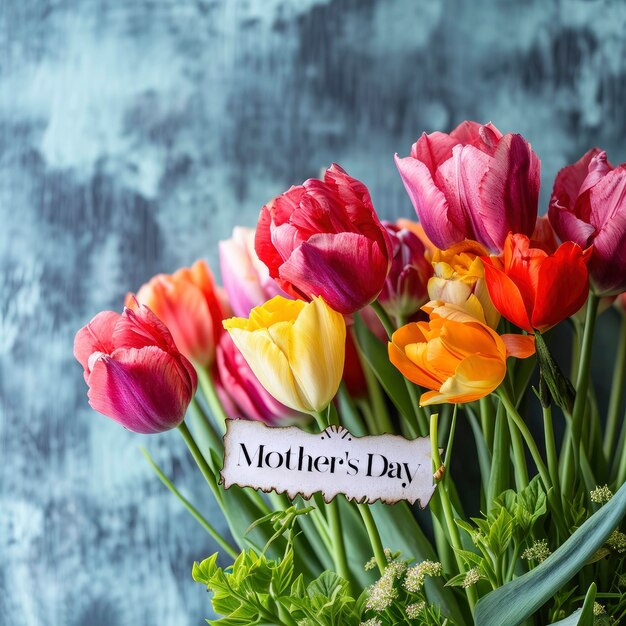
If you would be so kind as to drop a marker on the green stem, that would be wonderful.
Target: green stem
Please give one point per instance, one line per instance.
(381, 417)
(500, 464)
(209, 391)
(441, 491)
(621, 470)
(374, 536)
(526, 434)
(208, 438)
(448, 453)
(200, 461)
(519, 458)
(190, 507)
(618, 387)
(339, 548)
(582, 383)
(551, 454)
(334, 517)
(385, 320)
(487, 420)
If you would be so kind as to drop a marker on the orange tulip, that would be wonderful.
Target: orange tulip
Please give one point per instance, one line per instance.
(187, 302)
(458, 358)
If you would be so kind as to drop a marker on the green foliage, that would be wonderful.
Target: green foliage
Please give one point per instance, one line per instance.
(501, 536)
(513, 602)
(257, 590)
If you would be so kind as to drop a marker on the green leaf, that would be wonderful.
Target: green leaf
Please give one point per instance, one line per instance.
(456, 581)
(584, 616)
(298, 589)
(204, 571)
(500, 532)
(282, 574)
(512, 603)
(326, 585)
(377, 357)
(471, 558)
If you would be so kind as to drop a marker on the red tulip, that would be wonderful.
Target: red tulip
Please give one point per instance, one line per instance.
(323, 238)
(406, 287)
(534, 289)
(474, 183)
(135, 373)
(588, 206)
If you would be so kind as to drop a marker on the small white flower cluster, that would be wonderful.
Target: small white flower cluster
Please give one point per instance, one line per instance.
(374, 621)
(382, 593)
(413, 611)
(472, 576)
(617, 541)
(598, 609)
(415, 576)
(371, 564)
(601, 495)
(539, 551)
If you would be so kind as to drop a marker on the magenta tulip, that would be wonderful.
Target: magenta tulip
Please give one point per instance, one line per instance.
(135, 373)
(246, 279)
(588, 207)
(474, 183)
(323, 238)
(406, 287)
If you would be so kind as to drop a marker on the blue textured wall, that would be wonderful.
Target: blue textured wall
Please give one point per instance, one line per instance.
(133, 135)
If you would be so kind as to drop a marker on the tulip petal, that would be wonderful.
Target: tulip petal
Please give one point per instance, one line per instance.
(433, 149)
(506, 296)
(325, 265)
(563, 286)
(459, 179)
(519, 346)
(95, 337)
(418, 371)
(569, 180)
(430, 203)
(475, 377)
(240, 280)
(270, 365)
(145, 390)
(183, 308)
(316, 352)
(509, 191)
(139, 327)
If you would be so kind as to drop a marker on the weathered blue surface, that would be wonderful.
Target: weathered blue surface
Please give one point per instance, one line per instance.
(134, 135)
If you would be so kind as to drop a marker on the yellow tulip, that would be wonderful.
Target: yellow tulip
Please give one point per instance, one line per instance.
(296, 350)
(459, 279)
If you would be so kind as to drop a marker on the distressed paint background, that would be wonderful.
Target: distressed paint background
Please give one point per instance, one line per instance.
(133, 136)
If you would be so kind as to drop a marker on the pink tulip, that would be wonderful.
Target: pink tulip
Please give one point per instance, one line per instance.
(406, 287)
(323, 238)
(240, 391)
(135, 373)
(246, 279)
(588, 207)
(474, 183)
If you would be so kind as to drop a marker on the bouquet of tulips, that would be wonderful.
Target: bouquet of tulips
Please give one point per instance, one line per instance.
(329, 316)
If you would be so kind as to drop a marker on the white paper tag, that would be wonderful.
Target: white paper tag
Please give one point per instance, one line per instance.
(288, 460)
